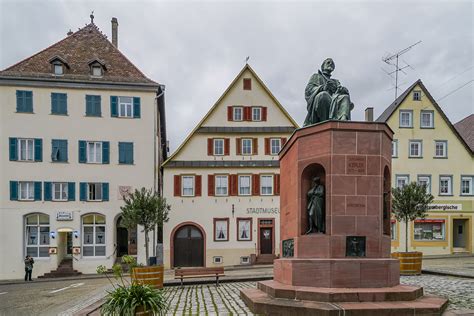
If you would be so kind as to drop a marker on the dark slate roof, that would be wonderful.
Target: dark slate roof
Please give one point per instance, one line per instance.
(246, 129)
(78, 50)
(223, 163)
(465, 128)
(393, 107)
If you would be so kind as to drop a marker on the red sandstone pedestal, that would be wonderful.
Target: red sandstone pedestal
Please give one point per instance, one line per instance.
(323, 277)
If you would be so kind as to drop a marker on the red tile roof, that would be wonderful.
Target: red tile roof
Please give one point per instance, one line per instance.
(78, 50)
(465, 128)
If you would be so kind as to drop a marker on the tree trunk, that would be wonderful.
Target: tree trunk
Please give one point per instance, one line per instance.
(406, 235)
(146, 247)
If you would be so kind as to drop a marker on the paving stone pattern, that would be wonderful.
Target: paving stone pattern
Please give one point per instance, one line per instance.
(208, 299)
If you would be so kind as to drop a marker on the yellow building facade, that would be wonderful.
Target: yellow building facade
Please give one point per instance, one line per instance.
(429, 150)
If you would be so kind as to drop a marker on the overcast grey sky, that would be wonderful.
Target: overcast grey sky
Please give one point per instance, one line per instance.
(197, 48)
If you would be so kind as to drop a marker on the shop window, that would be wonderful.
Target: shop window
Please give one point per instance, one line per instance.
(244, 185)
(37, 235)
(187, 186)
(222, 185)
(221, 229)
(93, 235)
(429, 230)
(266, 185)
(244, 229)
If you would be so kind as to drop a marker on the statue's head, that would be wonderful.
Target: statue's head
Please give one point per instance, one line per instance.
(328, 66)
(316, 179)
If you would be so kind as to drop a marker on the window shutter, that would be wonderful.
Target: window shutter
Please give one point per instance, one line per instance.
(54, 103)
(48, 194)
(238, 143)
(130, 153)
(136, 107)
(276, 184)
(255, 184)
(230, 113)
(113, 106)
(198, 185)
(264, 113)
(13, 149)
(226, 146)
(63, 155)
(71, 191)
(82, 151)
(105, 191)
(19, 101)
(177, 185)
(267, 146)
(283, 141)
(83, 191)
(210, 185)
(255, 146)
(88, 105)
(121, 152)
(63, 103)
(38, 149)
(37, 191)
(234, 183)
(247, 113)
(105, 152)
(97, 107)
(13, 190)
(210, 147)
(29, 101)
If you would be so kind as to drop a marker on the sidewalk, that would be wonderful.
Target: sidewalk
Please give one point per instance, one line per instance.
(460, 266)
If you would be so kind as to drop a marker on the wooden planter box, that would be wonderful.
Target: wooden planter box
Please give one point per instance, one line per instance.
(410, 262)
(152, 276)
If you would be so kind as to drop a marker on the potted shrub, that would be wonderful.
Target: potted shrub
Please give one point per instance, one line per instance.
(131, 298)
(409, 203)
(146, 208)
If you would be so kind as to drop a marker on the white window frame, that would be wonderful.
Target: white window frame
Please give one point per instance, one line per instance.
(192, 187)
(249, 187)
(264, 190)
(235, 110)
(272, 152)
(29, 149)
(404, 177)
(410, 118)
(417, 95)
(220, 189)
(443, 232)
(127, 103)
(431, 122)
(38, 243)
(427, 179)
(243, 146)
(63, 191)
(449, 180)
(27, 187)
(420, 148)
(94, 244)
(98, 191)
(256, 113)
(96, 155)
(97, 68)
(445, 148)
(470, 180)
(395, 148)
(215, 146)
(57, 67)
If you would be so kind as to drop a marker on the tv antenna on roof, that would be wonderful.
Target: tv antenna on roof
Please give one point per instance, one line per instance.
(92, 17)
(392, 60)
(247, 60)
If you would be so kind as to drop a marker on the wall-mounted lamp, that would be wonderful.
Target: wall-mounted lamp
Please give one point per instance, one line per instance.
(52, 235)
(76, 234)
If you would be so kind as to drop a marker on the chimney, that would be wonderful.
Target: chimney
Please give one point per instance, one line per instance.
(115, 32)
(69, 33)
(369, 114)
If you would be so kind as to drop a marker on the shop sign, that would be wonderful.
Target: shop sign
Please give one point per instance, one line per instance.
(444, 207)
(64, 216)
(263, 210)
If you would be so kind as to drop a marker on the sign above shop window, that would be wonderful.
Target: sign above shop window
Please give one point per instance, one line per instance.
(444, 207)
(64, 216)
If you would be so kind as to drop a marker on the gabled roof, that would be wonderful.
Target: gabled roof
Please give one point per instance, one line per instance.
(385, 116)
(85, 45)
(465, 128)
(199, 125)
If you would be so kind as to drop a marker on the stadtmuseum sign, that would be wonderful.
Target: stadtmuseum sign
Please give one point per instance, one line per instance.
(263, 210)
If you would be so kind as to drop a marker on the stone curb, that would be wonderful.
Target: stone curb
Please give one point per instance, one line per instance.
(457, 275)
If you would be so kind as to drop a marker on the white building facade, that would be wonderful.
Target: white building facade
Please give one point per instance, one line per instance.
(223, 181)
(78, 131)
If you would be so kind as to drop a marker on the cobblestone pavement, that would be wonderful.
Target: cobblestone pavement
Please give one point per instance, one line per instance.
(225, 300)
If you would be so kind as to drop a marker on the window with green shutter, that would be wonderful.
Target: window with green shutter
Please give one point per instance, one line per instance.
(59, 103)
(93, 105)
(125, 153)
(59, 150)
(24, 101)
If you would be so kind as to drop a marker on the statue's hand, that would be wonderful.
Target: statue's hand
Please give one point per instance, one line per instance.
(342, 90)
(330, 87)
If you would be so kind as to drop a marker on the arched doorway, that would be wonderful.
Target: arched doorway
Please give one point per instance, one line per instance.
(126, 239)
(188, 244)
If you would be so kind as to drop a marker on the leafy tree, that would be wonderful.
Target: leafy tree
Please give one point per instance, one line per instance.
(145, 208)
(410, 202)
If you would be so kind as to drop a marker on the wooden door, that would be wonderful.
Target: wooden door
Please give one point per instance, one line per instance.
(188, 247)
(266, 240)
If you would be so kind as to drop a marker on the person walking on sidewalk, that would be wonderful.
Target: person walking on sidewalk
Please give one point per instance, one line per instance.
(28, 267)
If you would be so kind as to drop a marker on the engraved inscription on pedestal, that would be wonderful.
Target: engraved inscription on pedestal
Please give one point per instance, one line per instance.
(288, 248)
(355, 246)
(356, 165)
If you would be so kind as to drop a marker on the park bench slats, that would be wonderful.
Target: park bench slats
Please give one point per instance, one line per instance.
(199, 273)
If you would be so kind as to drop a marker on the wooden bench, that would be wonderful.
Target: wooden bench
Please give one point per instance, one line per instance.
(190, 273)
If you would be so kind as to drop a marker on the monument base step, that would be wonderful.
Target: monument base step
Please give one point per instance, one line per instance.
(261, 303)
(320, 294)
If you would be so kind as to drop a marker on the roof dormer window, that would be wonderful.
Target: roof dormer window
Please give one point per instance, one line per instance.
(58, 65)
(97, 68)
(58, 69)
(97, 71)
